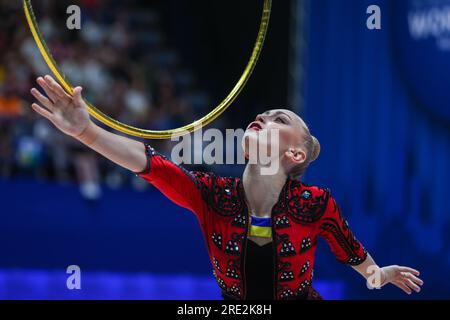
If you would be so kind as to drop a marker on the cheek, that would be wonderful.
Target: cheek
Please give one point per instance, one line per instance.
(285, 139)
(253, 143)
(279, 143)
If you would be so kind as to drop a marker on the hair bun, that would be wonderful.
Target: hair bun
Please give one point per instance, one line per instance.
(315, 148)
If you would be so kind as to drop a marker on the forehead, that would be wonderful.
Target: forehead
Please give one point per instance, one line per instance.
(292, 115)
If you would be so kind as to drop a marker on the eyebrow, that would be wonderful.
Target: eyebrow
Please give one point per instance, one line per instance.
(279, 112)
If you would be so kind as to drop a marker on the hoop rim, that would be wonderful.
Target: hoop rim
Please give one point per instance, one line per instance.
(145, 133)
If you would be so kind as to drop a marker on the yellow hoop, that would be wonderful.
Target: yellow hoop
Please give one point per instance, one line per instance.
(143, 133)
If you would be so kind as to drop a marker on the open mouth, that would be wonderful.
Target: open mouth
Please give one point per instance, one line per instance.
(255, 126)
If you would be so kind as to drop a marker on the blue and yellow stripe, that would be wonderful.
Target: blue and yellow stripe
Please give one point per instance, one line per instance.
(261, 227)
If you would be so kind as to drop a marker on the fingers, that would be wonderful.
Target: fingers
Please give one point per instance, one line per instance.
(56, 88)
(412, 285)
(402, 286)
(53, 90)
(42, 99)
(77, 98)
(413, 278)
(42, 111)
(407, 269)
(48, 91)
(407, 281)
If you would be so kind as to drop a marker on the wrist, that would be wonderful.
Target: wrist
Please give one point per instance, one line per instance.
(88, 135)
(383, 276)
(375, 276)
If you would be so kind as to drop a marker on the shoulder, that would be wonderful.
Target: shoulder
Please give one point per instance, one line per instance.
(210, 179)
(224, 195)
(306, 203)
(308, 192)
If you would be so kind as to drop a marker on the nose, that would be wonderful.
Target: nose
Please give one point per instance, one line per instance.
(260, 118)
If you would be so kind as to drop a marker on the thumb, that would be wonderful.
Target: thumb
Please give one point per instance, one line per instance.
(77, 96)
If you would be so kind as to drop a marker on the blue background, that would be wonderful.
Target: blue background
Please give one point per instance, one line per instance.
(385, 156)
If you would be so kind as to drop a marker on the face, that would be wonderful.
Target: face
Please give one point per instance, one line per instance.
(290, 129)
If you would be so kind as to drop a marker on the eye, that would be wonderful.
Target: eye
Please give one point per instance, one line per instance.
(281, 120)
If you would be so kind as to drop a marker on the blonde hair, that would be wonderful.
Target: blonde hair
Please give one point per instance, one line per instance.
(312, 148)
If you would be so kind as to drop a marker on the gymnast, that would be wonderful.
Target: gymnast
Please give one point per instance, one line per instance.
(261, 231)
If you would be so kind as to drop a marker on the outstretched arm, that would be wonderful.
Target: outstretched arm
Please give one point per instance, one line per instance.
(70, 115)
(404, 278)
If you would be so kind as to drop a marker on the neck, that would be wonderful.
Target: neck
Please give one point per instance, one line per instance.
(262, 191)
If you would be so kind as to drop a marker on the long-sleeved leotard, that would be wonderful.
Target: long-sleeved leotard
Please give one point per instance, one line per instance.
(301, 214)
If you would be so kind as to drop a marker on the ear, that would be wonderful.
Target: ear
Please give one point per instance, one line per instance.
(296, 155)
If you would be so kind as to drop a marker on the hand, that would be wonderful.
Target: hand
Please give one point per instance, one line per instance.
(402, 277)
(68, 114)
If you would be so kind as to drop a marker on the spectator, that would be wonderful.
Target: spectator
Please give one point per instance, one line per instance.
(118, 75)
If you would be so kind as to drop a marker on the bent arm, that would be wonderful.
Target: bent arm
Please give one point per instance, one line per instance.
(350, 251)
(336, 231)
(404, 278)
(369, 268)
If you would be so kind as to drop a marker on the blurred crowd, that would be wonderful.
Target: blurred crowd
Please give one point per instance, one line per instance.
(121, 58)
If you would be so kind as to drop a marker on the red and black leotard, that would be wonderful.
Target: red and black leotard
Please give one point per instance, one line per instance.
(301, 214)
